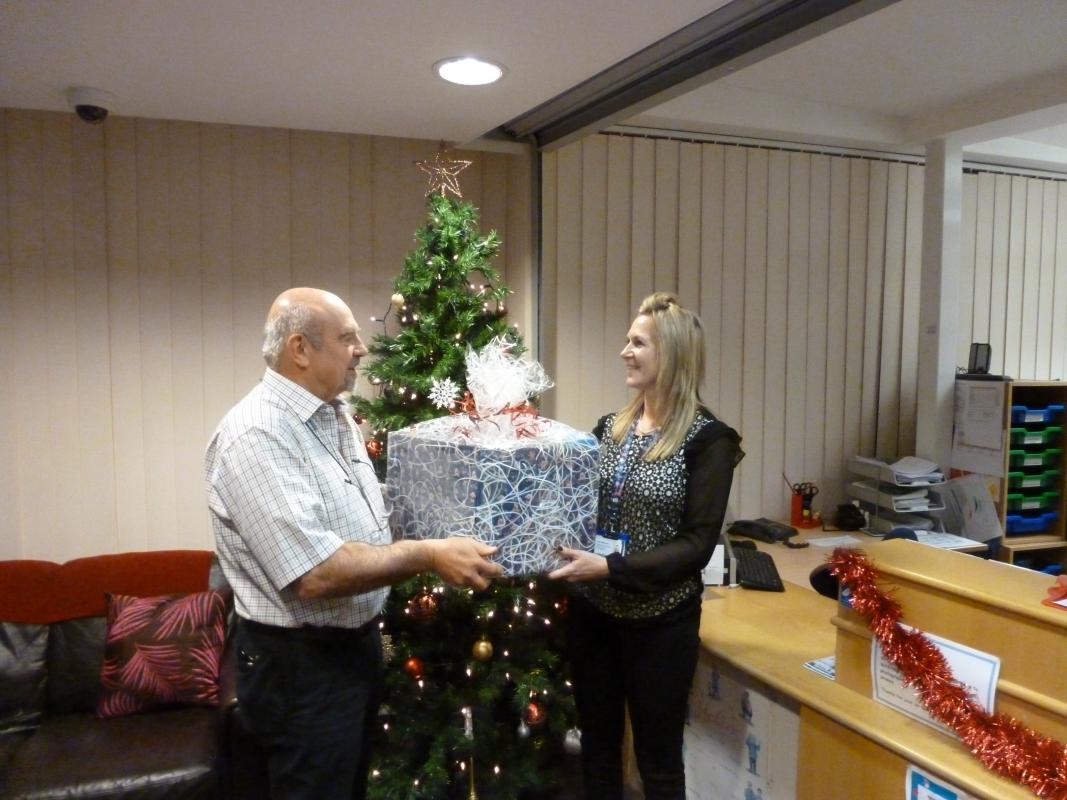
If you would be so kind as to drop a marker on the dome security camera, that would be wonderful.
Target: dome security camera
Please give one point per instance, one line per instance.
(91, 105)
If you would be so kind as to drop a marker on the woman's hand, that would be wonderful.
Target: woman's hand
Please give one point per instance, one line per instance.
(580, 566)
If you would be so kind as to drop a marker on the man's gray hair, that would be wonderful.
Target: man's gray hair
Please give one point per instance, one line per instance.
(293, 318)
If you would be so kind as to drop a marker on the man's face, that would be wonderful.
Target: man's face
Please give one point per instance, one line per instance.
(332, 368)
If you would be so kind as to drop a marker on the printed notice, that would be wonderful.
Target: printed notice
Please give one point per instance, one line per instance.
(974, 669)
(978, 432)
(922, 786)
(826, 666)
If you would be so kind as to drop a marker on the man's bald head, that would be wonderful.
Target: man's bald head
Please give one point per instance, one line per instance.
(312, 339)
(301, 310)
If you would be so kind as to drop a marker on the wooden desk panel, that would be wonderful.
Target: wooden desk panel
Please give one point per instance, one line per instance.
(770, 635)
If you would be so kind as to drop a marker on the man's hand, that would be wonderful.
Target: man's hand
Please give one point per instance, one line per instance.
(460, 561)
(580, 566)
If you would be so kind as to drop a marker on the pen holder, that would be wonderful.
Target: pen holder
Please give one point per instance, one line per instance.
(796, 510)
(801, 514)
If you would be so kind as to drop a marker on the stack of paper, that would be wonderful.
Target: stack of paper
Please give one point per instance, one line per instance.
(912, 469)
(882, 524)
(897, 498)
(908, 471)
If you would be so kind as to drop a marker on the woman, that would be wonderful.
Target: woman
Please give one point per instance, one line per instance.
(665, 473)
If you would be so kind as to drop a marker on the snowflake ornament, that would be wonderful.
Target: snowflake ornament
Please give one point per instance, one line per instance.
(443, 393)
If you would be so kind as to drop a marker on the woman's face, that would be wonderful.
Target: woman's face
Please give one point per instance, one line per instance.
(641, 356)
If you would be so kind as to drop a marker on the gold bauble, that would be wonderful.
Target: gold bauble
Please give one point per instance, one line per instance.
(482, 650)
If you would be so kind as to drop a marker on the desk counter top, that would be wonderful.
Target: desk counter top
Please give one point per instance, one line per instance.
(769, 635)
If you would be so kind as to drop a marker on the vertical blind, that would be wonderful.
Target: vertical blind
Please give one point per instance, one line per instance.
(805, 268)
(137, 263)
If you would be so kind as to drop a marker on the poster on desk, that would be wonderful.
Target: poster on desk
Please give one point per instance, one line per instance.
(921, 785)
(974, 669)
(741, 737)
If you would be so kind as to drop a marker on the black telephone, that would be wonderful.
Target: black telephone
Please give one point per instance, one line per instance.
(766, 530)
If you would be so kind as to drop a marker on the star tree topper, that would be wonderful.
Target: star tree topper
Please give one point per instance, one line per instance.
(443, 171)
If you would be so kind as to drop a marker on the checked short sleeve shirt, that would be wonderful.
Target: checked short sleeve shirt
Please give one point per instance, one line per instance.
(289, 481)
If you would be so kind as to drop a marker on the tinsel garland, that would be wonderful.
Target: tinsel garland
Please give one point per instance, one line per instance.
(1001, 743)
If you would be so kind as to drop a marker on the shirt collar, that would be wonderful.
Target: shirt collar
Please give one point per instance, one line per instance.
(303, 403)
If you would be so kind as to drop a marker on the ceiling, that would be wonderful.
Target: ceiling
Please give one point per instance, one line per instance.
(991, 74)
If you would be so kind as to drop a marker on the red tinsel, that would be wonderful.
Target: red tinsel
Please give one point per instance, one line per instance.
(1001, 743)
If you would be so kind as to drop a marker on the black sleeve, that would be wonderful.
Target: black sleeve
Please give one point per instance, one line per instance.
(710, 458)
(601, 427)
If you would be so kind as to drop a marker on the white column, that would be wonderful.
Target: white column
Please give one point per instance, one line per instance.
(942, 191)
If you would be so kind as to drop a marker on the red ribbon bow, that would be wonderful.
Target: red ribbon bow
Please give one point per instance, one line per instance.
(524, 417)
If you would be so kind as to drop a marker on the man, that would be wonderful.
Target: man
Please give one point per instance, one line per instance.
(301, 534)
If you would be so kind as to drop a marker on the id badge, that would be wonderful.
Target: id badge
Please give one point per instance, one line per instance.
(604, 545)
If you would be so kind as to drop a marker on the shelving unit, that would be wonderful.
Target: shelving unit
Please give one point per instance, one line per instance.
(1030, 485)
(1031, 498)
(892, 502)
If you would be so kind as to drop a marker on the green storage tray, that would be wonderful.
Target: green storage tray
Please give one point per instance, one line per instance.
(1036, 458)
(1032, 480)
(1041, 437)
(1042, 501)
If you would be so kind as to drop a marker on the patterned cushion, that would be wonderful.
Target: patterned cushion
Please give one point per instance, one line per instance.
(161, 651)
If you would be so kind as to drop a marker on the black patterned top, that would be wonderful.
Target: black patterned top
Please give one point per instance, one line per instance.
(673, 511)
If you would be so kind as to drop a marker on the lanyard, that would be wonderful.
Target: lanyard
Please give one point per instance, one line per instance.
(619, 480)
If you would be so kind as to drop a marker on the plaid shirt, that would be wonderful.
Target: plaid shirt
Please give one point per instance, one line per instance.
(289, 481)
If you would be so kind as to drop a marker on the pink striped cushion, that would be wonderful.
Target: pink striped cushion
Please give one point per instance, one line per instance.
(161, 651)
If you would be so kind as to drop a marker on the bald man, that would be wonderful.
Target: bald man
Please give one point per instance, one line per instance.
(301, 534)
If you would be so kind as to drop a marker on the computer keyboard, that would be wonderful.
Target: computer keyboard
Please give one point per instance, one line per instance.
(756, 570)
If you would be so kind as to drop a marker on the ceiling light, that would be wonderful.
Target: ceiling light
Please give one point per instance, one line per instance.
(468, 71)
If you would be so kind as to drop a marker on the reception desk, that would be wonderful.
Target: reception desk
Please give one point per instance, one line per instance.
(849, 746)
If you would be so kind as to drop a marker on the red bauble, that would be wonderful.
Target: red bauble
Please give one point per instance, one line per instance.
(535, 714)
(413, 667)
(423, 606)
(374, 448)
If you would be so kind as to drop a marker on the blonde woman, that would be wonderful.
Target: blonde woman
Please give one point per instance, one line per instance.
(665, 474)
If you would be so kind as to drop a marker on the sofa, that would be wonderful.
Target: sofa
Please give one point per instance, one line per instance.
(70, 727)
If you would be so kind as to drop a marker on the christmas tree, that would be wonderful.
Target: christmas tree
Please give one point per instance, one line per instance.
(476, 703)
(442, 311)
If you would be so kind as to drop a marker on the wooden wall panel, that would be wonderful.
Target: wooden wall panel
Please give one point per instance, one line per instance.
(967, 279)
(25, 236)
(817, 311)
(10, 545)
(806, 271)
(796, 318)
(56, 328)
(773, 422)
(1058, 369)
(834, 394)
(187, 328)
(982, 185)
(909, 335)
(1015, 277)
(619, 301)
(754, 314)
(137, 263)
(712, 208)
(593, 275)
(1046, 233)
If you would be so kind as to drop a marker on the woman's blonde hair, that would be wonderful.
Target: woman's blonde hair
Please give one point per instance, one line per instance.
(679, 337)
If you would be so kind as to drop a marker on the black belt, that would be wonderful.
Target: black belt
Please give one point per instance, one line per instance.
(317, 633)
